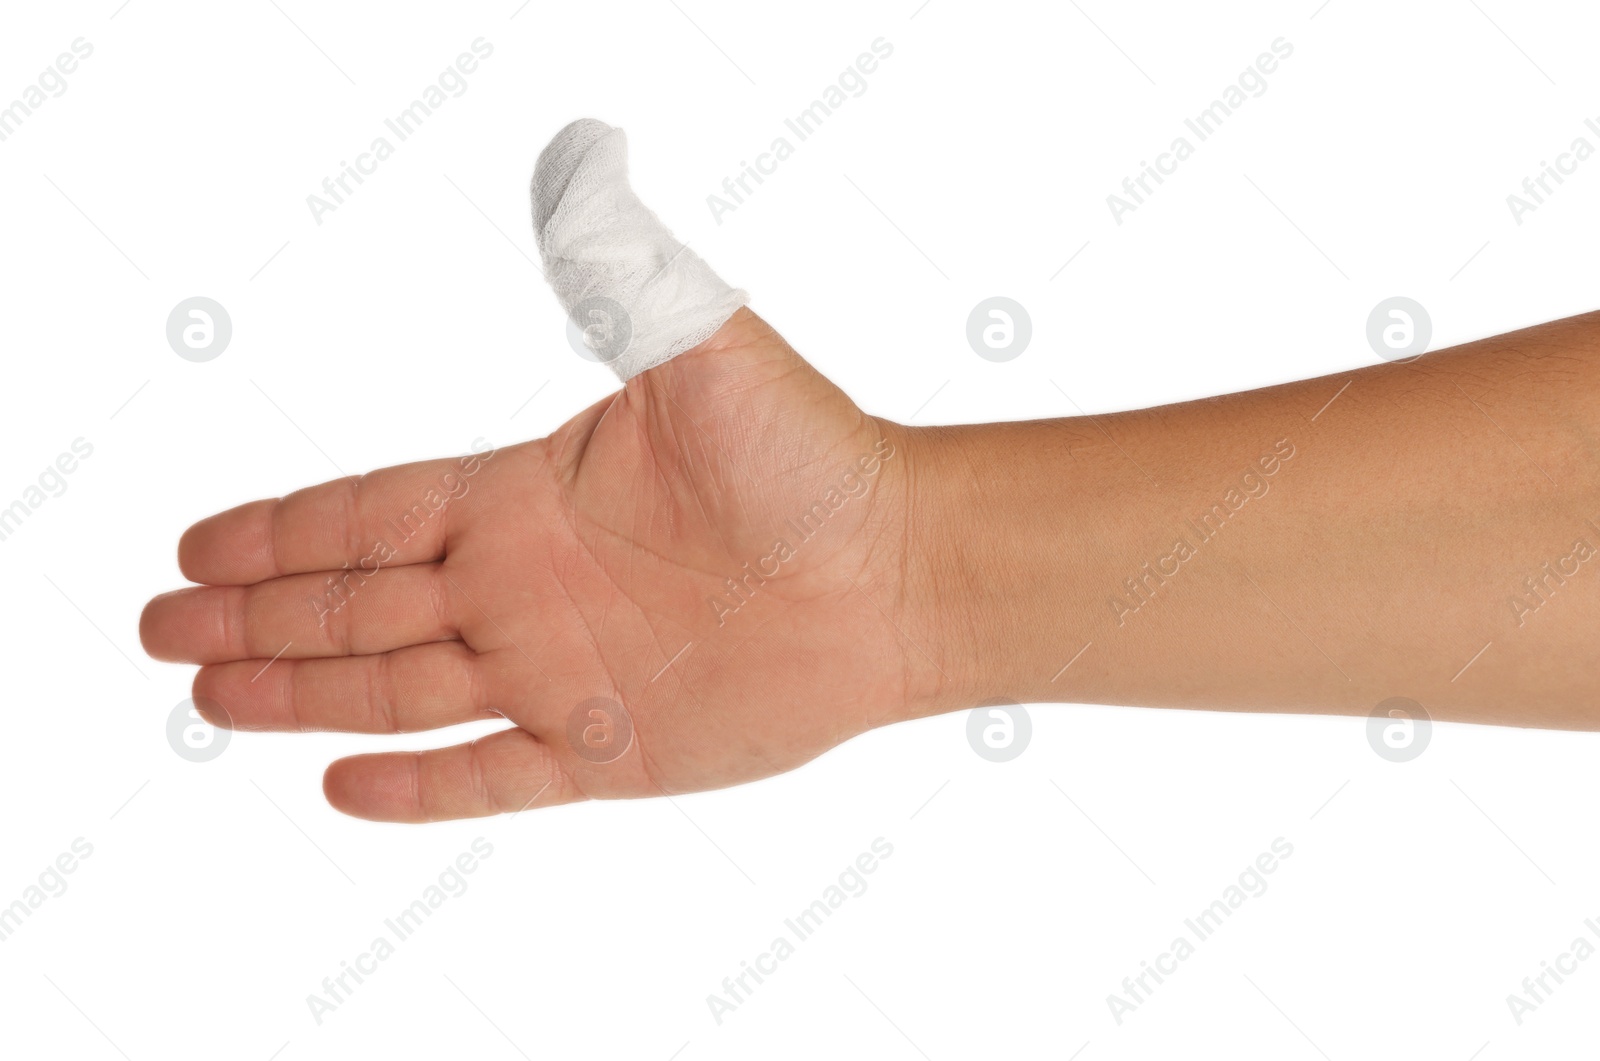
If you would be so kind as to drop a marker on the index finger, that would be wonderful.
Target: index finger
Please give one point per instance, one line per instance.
(388, 517)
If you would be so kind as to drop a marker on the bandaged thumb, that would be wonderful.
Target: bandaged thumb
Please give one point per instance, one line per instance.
(639, 297)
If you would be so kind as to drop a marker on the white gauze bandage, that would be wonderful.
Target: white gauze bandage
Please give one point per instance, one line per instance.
(639, 296)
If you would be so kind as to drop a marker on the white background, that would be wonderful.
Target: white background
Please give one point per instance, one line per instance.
(411, 321)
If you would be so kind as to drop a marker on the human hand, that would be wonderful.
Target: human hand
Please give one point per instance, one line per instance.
(588, 571)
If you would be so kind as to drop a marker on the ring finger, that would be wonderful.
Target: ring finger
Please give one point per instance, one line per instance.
(417, 688)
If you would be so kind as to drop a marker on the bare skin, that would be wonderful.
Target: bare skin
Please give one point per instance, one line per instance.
(758, 571)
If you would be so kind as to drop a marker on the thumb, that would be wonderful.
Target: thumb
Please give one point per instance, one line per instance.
(639, 296)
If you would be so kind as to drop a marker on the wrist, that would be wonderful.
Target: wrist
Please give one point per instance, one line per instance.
(960, 559)
(990, 564)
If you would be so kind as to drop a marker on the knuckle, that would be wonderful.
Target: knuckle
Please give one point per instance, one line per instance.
(383, 694)
(336, 627)
(423, 796)
(275, 536)
(290, 697)
(238, 621)
(350, 528)
(483, 792)
(472, 683)
(440, 600)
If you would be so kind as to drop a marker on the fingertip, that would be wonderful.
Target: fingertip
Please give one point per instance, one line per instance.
(189, 558)
(379, 787)
(336, 787)
(145, 622)
(188, 626)
(332, 786)
(229, 548)
(209, 693)
(153, 634)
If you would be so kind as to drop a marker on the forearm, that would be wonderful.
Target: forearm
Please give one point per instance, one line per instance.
(1420, 530)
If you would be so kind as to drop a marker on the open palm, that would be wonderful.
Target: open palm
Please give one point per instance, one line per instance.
(699, 581)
